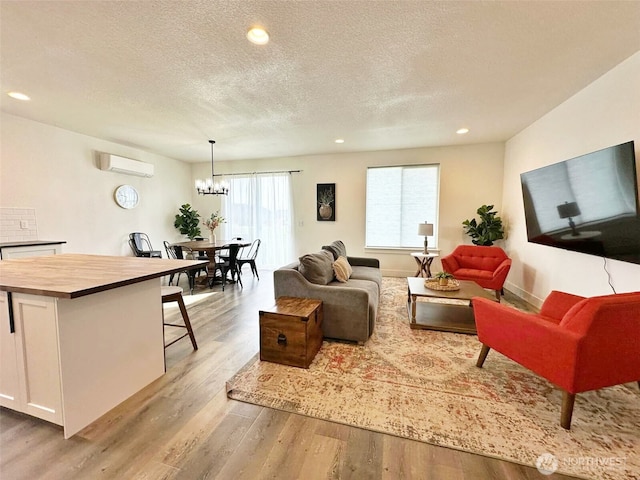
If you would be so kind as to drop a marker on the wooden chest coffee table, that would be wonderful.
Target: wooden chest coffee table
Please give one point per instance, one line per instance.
(447, 317)
(291, 331)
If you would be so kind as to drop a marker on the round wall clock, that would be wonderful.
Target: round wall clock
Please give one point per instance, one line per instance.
(126, 196)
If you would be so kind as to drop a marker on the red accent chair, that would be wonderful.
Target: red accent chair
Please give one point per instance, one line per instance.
(576, 343)
(487, 266)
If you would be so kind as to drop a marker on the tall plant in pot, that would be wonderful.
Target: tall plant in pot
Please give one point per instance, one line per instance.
(487, 230)
(188, 222)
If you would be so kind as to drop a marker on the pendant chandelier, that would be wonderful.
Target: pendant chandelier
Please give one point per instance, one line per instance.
(208, 186)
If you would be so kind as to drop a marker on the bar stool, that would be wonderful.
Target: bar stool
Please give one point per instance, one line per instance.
(174, 294)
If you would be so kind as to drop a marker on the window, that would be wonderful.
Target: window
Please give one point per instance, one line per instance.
(398, 199)
(260, 206)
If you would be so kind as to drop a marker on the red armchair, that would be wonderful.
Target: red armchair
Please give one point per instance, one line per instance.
(487, 266)
(576, 343)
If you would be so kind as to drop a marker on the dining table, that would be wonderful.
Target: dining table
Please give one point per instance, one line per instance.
(209, 248)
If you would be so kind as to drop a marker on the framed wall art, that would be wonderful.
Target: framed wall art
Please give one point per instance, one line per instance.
(326, 202)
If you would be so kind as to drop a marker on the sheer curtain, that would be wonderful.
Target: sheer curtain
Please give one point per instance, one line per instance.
(260, 206)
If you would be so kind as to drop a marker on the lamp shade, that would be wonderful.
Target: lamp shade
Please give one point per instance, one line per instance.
(568, 210)
(425, 229)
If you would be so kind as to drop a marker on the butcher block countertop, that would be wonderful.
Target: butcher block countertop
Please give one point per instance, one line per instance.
(72, 275)
(31, 243)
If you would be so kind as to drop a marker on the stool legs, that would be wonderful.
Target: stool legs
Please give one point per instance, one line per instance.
(177, 297)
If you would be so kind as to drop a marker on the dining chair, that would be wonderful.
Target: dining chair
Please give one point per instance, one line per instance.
(171, 253)
(250, 258)
(176, 252)
(228, 265)
(224, 252)
(141, 246)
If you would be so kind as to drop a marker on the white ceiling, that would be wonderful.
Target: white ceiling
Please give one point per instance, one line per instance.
(165, 76)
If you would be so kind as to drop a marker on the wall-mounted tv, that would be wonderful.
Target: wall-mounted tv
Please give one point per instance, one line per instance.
(587, 204)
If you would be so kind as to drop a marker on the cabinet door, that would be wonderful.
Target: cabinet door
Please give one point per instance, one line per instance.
(37, 356)
(9, 385)
(31, 251)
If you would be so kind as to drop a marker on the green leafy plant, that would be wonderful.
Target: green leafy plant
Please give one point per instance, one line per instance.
(443, 275)
(488, 230)
(188, 222)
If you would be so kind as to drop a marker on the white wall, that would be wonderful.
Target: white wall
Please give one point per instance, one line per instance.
(605, 113)
(55, 172)
(470, 176)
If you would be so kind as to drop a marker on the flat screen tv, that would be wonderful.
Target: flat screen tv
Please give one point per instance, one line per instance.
(587, 204)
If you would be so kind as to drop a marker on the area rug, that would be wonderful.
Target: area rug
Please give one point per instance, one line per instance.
(424, 385)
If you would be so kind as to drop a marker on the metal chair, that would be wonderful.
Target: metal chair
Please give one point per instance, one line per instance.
(223, 254)
(250, 258)
(228, 265)
(171, 253)
(176, 253)
(141, 246)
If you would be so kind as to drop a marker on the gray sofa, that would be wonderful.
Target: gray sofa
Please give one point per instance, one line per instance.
(350, 307)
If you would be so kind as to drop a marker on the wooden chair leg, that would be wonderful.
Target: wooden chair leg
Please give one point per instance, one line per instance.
(177, 297)
(498, 295)
(483, 355)
(568, 400)
(187, 322)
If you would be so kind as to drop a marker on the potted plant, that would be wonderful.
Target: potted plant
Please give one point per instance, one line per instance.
(188, 222)
(443, 278)
(488, 230)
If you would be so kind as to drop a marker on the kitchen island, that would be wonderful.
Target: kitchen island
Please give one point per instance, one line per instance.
(79, 334)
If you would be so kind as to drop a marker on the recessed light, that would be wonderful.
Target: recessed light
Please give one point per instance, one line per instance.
(462, 131)
(339, 140)
(258, 35)
(19, 96)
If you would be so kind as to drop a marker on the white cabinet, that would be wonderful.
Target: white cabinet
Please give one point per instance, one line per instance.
(30, 363)
(9, 387)
(30, 250)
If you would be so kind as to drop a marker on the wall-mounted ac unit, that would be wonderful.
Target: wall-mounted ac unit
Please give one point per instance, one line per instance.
(114, 163)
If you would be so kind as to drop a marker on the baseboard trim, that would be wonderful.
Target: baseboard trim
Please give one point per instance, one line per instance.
(524, 295)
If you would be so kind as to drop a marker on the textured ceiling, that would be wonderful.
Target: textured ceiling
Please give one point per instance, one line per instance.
(165, 76)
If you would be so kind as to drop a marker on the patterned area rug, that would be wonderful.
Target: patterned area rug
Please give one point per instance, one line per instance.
(424, 385)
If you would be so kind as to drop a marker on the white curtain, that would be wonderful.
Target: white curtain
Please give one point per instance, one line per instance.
(260, 207)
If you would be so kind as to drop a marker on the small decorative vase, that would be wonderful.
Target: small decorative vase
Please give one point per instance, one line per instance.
(325, 211)
(443, 282)
(212, 237)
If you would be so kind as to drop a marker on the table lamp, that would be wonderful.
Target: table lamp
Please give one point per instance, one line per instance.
(568, 210)
(426, 230)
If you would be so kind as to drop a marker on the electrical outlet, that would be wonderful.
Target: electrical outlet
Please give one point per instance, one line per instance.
(24, 224)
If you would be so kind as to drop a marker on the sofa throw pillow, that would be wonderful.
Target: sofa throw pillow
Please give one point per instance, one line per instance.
(317, 267)
(337, 249)
(342, 269)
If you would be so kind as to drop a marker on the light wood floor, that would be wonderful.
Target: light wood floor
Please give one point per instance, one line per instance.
(183, 426)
